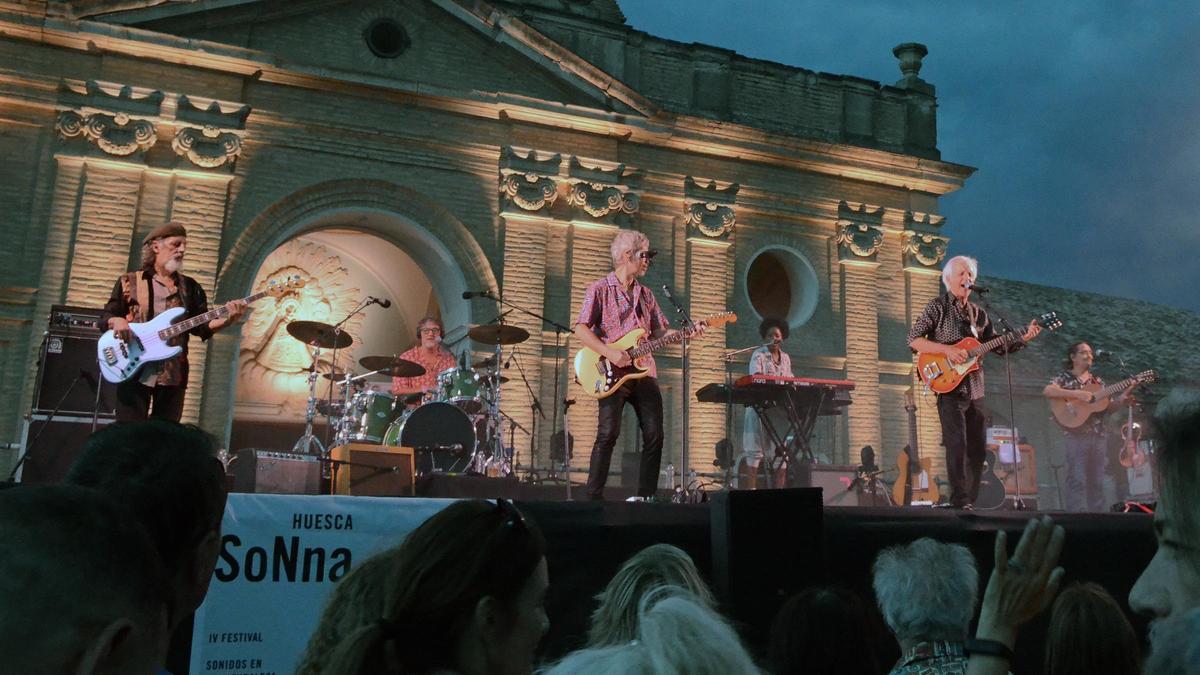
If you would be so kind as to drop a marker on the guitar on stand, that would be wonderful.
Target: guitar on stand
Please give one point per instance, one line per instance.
(942, 376)
(120, 360)
(915, 485)
(599, 378)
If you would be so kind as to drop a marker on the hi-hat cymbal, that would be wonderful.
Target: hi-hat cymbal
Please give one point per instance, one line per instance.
(392, 365)
(498, 334)
(317, 334)
(487, 377)
(337, 375)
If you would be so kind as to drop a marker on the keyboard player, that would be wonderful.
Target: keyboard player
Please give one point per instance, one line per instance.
(769, 359)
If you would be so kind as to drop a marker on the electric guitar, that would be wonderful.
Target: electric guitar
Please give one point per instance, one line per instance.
(941, 376)
(599, 378)
(1071, 413)
(915, 485)
(120, 360)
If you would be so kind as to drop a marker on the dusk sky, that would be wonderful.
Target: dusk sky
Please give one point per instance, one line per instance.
(1082, 118)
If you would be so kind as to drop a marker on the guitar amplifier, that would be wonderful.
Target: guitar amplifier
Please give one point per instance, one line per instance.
(67, 369)
(271, 472)
(374, 470)
(51, 446)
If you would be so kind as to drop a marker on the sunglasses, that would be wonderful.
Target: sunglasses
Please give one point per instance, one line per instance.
(645, 255)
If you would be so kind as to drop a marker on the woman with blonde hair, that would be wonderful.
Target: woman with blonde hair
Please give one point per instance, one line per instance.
(615, 620)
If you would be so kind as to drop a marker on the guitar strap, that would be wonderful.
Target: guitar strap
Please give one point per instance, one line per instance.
(136, 290)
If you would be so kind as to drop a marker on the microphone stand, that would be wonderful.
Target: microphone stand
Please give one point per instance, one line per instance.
(559, 330)
(685, 321)
(337, 331)
(1019, 500)
(49, 418)
(535, 406)
(727, 357)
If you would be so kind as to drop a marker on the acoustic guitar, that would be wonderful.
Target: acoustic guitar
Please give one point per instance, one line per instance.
(599, 378)
(1071, 413)
(942, 376)
(120, 360)
(991, 488)
(915, 485)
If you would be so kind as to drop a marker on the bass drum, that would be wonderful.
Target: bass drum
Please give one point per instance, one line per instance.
(443, 434)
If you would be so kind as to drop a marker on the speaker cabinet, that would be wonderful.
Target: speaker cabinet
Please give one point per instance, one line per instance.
(373, 470)
(270, 472)
(766, 545)
(837, 485)
(50, 448)
(67, 370)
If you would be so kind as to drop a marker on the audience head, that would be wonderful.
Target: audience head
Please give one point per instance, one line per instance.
(167, 475)
(1175, 646)
(822, 630)
(356, 601)
(1170, 584)
(1089, 634)
(926, 590)
(81, 587)
(464, 592)
(676, 632)
(615, 620)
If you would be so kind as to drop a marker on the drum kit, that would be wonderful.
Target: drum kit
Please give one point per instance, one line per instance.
(459, 428)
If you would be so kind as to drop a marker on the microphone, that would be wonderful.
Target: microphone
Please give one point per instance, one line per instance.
(1100, 353)
(467, 295)
(382, 302)
(979, 289)
(509, 361)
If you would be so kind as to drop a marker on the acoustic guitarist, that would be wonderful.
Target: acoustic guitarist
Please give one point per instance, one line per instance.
(612, 307)
(1086, 444)
(946, 320)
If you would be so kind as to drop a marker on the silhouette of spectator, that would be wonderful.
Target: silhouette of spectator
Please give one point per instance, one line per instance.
(822, 630)
(81, 587)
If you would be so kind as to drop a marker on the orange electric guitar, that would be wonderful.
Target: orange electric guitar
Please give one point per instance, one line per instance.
(941, 376)
(915, 484)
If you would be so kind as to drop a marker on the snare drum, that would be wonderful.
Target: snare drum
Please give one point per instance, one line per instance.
(460, 386)
(373, 411)
(443, 435)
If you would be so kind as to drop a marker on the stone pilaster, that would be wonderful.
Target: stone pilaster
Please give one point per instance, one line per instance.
(924, 251)
(709, 221)
(858, 237)
(525, 285)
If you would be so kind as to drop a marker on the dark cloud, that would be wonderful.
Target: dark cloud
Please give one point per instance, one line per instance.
(1083, 118)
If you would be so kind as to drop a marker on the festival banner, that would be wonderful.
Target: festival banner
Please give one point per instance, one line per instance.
(280, 558)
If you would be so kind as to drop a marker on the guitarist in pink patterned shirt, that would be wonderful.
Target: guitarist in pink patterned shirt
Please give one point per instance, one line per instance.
(612, 307)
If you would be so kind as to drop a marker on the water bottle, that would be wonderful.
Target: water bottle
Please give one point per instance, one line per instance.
(670, 476)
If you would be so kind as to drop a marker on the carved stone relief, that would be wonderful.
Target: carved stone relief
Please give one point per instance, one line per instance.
(272, 364)
(709, 209)
(526, 181)
(857, 242)
(116, 134)
(207, 147)
(923, 251)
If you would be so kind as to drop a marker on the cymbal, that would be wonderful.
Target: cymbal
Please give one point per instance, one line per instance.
(498, 334)
(392, 365)
(489, 362)
(319, 334)
(337, 375)
(487, 377)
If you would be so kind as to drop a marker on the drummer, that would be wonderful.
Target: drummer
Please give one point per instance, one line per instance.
(430, 354)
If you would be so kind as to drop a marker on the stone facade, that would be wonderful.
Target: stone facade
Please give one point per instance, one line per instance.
(501, 147)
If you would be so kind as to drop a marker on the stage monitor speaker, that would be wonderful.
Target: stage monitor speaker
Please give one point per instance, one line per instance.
(51, 448)
(837, 485)
(271, 472)
(373, 470)
(67, 371)
(766, 545)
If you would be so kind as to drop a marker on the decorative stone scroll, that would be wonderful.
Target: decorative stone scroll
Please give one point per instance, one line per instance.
(858, 233)
(207, 147)
(116, 134)
(923, 251)
(599, 192)
(528, 182)
(709, 209)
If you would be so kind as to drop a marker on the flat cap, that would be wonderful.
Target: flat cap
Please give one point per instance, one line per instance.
(167, 229)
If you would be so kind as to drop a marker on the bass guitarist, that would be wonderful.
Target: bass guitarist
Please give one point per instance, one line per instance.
(142, 294)
(612, 307)
(945, 321)
(1087, 444)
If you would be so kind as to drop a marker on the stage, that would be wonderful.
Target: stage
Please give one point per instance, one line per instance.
(755, 547)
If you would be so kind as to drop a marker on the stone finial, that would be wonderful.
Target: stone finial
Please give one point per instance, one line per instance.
(910, 55)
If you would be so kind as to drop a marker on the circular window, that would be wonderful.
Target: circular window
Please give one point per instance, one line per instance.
(781, 282)
(386, 38)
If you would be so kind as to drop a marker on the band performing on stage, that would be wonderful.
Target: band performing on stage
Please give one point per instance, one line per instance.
(447, 407)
